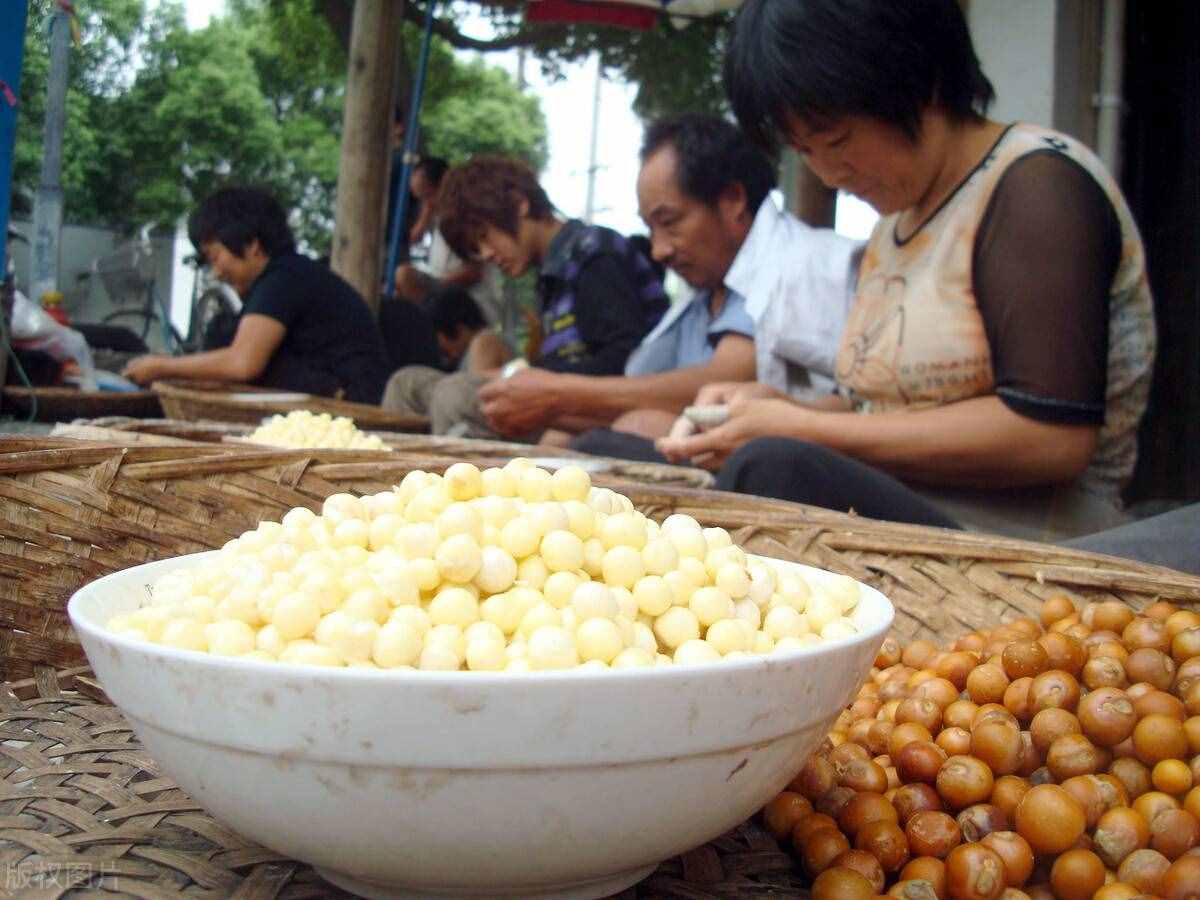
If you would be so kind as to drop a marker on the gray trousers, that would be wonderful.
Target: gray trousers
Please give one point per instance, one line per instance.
(450, 401)
(1046, 514)
(1170, 539)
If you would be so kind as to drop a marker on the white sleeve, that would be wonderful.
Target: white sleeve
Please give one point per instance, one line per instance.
(815, 301)
(441, 258)
(803, 313)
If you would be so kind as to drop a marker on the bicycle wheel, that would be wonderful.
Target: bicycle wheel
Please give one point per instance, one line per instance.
(136, 320)
(214, 321)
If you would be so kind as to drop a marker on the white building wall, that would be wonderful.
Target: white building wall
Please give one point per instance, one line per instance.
(85, 299)
(183, 278)
(1015, 42)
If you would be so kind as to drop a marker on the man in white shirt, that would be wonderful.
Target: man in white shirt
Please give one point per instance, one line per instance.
(798, 282)
(790, 284)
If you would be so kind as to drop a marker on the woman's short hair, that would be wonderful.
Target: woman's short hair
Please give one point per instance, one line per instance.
(488, 190)
(819, 60)
(236, 216)
(712, 154)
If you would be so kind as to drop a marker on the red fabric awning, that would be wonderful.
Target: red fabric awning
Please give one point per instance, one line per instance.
(642, 14)
(619, 14)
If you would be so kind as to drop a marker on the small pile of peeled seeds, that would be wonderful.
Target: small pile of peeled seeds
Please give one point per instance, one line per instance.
(302, 428)
(511, 569)
(1058, 759)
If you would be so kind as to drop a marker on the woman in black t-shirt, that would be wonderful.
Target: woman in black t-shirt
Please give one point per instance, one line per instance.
(302, 327)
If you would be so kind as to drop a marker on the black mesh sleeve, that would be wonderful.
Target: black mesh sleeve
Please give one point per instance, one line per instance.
(1044, 259)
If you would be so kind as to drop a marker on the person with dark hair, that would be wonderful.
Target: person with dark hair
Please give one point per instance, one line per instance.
(998, 355)
(597, 296)
(424, 182)
(466, 344)
(413, 207)
(703, 191)
(302, 328)
(464, 338)
(238, 216)
(456, 318)
(492, 202)
(416, 282)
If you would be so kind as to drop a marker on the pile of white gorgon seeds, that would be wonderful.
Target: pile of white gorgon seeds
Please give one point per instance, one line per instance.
(303, 428)
(509, 569)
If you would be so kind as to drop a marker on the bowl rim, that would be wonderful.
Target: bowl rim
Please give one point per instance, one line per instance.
(84, 624)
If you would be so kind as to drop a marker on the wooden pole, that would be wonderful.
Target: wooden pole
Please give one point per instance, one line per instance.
(358, 238)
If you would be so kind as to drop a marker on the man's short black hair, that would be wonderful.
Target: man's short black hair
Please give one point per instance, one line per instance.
(434, 168)
(712, 154)
(450, 308)
(235, 216)
(820, 60)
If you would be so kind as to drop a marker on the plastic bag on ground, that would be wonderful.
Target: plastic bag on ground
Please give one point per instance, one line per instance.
(35, 329)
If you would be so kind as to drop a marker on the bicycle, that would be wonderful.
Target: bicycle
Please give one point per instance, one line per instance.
(127, 276)
(130, 272)
(215, 307)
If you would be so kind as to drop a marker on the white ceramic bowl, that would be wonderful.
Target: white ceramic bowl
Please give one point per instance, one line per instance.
(417, 784)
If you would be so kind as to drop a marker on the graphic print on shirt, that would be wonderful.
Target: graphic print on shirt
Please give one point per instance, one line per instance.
(562, 339)
(872, 354)
(914, 337)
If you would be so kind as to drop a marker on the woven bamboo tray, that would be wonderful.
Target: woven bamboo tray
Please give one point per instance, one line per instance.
(71, 511)
(62, 404)
(190, 400)
(483, 453)
(85, 810)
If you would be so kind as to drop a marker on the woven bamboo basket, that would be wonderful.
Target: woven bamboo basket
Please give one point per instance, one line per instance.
(62, 404)
(74, 510)
(84, 808)
(192, 400)
(483, 453)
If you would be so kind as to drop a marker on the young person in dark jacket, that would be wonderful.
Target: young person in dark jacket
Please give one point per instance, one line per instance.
(598, 296)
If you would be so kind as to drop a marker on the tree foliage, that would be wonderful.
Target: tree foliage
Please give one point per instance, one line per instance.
(676, 69)
(481, 110)
(99, 70)
(159, 116)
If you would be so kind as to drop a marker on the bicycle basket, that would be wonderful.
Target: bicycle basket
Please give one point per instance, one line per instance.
(128, 271)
